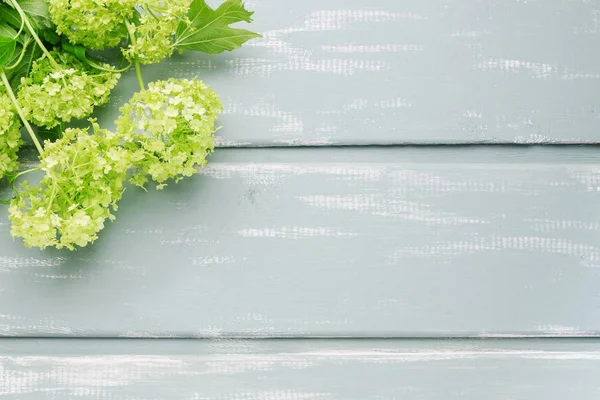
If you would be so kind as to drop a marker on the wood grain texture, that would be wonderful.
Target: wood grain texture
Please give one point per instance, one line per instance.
(299, 370)
(334, 242)
(404, 71)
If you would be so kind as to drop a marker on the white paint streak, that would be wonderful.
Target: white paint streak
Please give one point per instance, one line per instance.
(589, 177)
(287, 122)
(300, 59)
(571, 76)
(334, 20)
(394, 103)
(11, 263)
(81, 376)
(550, 225)
(153, 231)
(537, 70)
(294, 232)
(587, 255)
(265, 68)
(305, 142)
(591, 27)
(265, 395)
(365, 104)
(209, 261)
(561, 330)
(535, 138)
(190, 236)
(373, 48)
(63, 276)
(100, 376)
(377, 204)
(257, 172)
(470, 34)
(223, 142)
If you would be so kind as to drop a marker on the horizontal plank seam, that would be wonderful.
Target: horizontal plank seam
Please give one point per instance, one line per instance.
(401, 145)
(490, 337)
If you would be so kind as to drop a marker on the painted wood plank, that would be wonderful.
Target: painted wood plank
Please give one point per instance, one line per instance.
(295, 370)
(405, 71)
(334, 242)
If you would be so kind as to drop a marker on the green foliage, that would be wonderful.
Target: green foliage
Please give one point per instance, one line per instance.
(165, 132)
(7, 31)
(37, 11)
(8, 46)
(208, 30)
(22, 68)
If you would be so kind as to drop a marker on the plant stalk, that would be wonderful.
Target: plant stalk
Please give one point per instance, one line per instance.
(28, 127)
(33, 34)
(138, 68)
(138, 73)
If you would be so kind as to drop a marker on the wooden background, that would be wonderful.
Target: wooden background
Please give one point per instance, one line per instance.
(405, 204)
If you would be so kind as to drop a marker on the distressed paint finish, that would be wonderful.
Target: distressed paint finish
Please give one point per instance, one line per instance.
(404, 71)
(299, 369)
(334, 242)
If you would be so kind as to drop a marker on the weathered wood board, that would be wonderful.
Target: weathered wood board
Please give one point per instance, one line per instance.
(404, 71)
(295, 370)
(334, 242)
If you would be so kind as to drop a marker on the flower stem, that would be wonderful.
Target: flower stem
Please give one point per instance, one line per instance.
(27, 171)
(33, 34)
(138, 68)
(101, 68)
(23, 51)
(138, 73)
(28, 127)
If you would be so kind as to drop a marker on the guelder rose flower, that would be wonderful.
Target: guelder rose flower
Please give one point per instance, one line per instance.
(49, 96)
(10, 135)
(155, 30)
(170, 127)
(96, 24)
(84, 177)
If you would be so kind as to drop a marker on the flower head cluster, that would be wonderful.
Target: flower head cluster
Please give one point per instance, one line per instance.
(169, 128)
(49, 95)
(84, 176)
(155, 30)
(96, 24)
(10, 136)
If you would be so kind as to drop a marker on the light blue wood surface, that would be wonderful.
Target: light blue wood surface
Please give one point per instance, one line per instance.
(299, 370)
(336, 242)
(404, 71)
(346, 242)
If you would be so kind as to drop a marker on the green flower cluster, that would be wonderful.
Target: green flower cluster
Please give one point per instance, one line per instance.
(50, 95)
(155, 30)
(170, 127)
(10, 135)
(84, 176)
(97, 24)
(164, 133)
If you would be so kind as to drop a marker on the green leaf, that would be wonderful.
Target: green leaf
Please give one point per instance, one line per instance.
(6, 30)
(209, 29)
(77, 50)
(8, 46)
(50, 36)
(32, 53)
(37, 10)
(10, 16)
